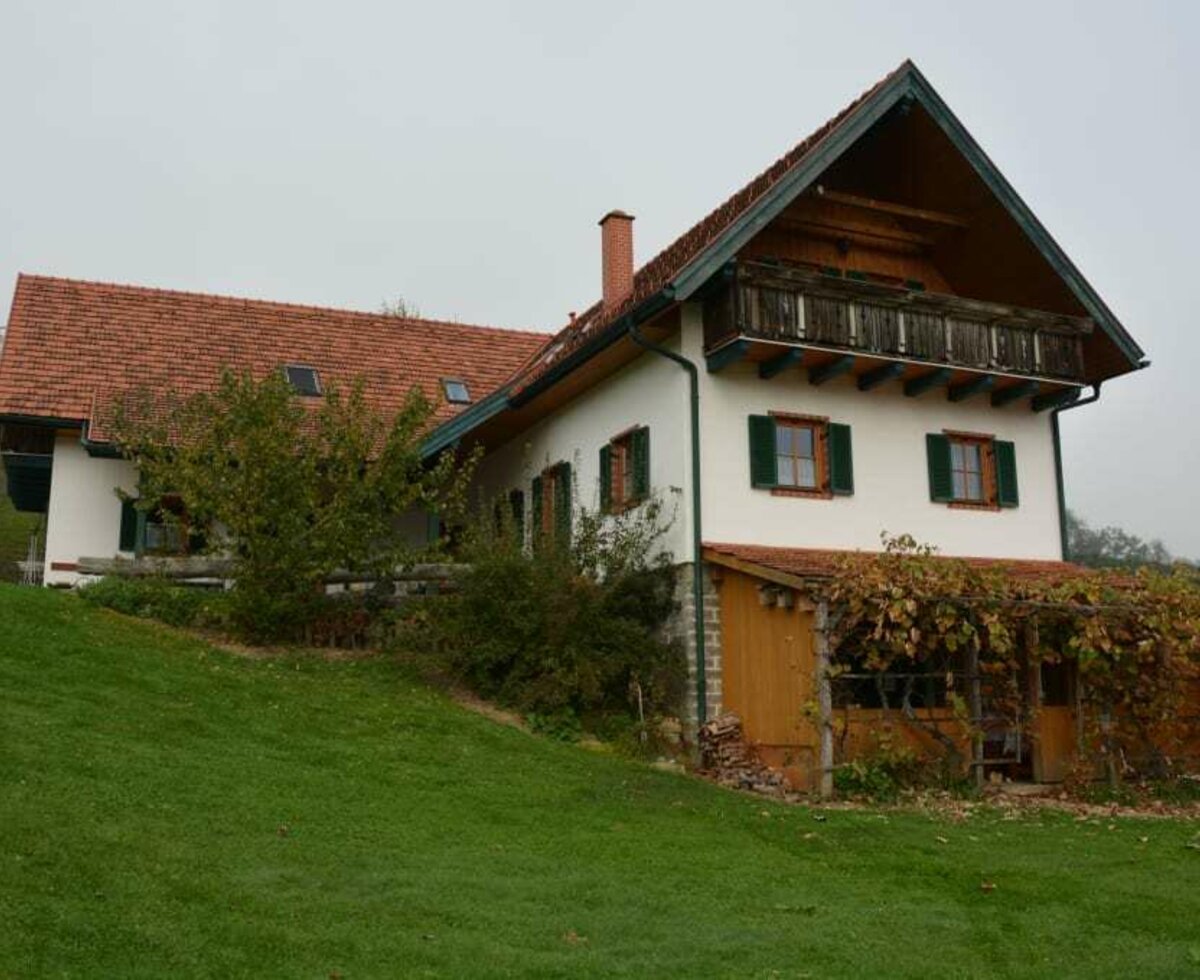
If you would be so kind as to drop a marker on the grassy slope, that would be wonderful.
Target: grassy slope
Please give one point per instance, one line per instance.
(144, 779)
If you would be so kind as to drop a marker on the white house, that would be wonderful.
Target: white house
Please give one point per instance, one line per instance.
(874, 335)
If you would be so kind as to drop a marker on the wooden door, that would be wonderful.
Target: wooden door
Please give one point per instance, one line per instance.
(767, 661)
(1055, 735)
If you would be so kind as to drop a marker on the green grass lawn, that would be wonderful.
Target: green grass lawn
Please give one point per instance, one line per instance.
(169, 810)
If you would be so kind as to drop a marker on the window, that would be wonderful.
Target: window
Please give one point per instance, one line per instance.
(551, 499)
(457, 392)
(797, 455)
(797, 462)
(967, 469)
(304, 380)
(165, 530)
(625, 471)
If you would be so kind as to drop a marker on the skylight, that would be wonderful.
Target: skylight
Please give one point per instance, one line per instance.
(304, 380)
(457, 392)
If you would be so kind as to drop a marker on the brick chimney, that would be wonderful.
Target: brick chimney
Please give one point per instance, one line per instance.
(616, 257)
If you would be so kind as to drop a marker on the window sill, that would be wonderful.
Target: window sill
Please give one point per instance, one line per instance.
(801, 492)
(972, 505)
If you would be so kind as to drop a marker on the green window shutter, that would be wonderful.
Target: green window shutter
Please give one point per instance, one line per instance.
(535, 509)
(640, 444)
(763, 472)
(841, 460)
(606, 478)
(562, 503)
(941, 483)
(516, 503)
(1006, 474)
(129, 523)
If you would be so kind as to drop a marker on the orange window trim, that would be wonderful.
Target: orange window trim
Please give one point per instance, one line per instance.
(987, 469)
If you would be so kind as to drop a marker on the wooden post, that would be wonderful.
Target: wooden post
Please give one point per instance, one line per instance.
(824, 687)
(976, 705)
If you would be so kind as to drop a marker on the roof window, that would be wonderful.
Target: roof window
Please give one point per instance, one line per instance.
(304, 380)
(456, 391)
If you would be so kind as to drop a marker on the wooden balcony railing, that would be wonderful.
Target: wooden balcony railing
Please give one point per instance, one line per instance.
(781, 303)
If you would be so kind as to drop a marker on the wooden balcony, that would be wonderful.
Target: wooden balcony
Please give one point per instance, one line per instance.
(880, 325)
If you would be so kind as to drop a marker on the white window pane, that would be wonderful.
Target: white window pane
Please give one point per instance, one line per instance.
(807, 471)
(785, 473)
(804, 442)
(974, 486)
(960, 485)
(783, 439)
(956, 455)
(971, 457)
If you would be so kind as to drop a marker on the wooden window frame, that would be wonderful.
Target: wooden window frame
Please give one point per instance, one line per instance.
(623, 497)
(987, 469)
(819, 425)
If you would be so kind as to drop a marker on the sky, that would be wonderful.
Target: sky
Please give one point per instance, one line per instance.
(459, 156)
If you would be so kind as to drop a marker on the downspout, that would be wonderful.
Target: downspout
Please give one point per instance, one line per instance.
(697, 533)
(1058, 466)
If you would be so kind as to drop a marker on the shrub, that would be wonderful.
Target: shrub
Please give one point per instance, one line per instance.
(159, 599)
(570, 635)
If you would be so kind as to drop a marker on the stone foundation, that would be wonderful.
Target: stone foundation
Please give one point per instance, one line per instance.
(684, 628)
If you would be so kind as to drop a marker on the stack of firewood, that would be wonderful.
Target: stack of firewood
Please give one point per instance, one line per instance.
(727, 759)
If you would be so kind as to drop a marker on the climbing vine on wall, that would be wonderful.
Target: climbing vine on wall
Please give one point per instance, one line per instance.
(979, 629)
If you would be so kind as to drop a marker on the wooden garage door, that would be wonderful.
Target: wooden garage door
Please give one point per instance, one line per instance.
(767, 664)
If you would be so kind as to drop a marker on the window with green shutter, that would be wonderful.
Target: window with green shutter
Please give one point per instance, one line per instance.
(970, 470)
(625, 470)
(551, 504)
(537, 513)
(129, 525)
(801, 455)
(562, 503)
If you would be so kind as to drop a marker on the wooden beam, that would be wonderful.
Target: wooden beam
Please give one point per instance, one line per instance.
(830, 369)
(890, 207)
(884, 373)
(930, 379)
(831, 229)
(729, 354)
(1022, 389)
(1054, 399)
(975, 386)
(780, 362)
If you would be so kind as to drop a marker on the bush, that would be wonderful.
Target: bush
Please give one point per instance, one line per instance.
(572, 636)
(159, 599)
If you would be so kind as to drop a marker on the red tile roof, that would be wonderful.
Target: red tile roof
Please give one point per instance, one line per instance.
(71, 345)
(817, 563)
(661, 269)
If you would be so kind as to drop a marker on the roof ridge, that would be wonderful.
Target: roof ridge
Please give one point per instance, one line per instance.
(277, 304)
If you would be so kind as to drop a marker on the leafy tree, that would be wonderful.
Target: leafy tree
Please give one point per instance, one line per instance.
(290, 490)
(1111, 547)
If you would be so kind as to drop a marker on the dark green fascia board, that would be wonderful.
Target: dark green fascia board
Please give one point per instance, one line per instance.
(780, 363)
(41, 421)
(906, 84)
(731, 353)
(880, 375)
(98, 450)
(768, 207)
(830, 370)
(451, 432)
(1012, 393)
(447, 435)
(923, 383)
(976, 386)
(648, 308)
(1055, 399)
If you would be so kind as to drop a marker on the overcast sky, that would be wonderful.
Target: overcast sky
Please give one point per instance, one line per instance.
(460, 155)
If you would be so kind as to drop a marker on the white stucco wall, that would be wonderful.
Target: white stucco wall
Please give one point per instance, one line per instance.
(891, 483)
(651, 391)
(84, 516)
